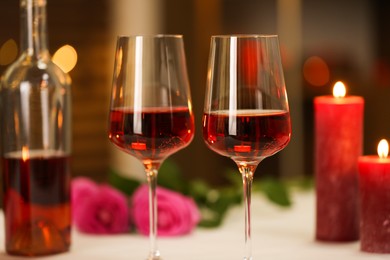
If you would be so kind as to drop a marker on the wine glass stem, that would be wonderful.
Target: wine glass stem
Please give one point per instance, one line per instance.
(247, 180)
(152, 182)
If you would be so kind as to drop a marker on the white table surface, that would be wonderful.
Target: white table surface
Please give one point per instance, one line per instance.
(278, 233)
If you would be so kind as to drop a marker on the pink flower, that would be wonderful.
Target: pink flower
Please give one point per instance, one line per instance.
(82, 189)
(98, 209)
(177, 214)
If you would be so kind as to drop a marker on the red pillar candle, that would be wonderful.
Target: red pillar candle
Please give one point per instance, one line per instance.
(374, 183)
(338, 144)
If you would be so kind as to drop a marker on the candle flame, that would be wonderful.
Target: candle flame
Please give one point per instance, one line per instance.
(25, 153)
(339, 90)
(383, 148)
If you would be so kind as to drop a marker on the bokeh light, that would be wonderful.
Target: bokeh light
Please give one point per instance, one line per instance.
(8, 52)
(65, 58)
(316, 71)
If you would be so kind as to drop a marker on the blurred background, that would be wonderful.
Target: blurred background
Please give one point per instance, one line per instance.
(321, 41)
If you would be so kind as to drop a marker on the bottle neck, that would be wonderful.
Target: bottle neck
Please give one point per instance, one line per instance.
(33, 28)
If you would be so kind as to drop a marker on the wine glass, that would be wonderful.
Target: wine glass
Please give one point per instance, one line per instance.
(151, 113)
(246, 114)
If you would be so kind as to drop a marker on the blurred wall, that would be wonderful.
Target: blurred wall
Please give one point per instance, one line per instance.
(350, 36)
(85, 26)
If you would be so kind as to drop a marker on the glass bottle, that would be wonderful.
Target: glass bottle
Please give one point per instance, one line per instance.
(35, 103)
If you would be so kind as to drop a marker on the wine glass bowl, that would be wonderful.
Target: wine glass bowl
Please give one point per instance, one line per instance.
(175, 131)
(246, 114)
(257, 135)
(151, 112)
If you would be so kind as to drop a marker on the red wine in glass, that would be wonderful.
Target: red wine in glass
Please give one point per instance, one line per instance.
(247, 133)
(153, 133)
(246, 114)
(36, 202)
(150, 109)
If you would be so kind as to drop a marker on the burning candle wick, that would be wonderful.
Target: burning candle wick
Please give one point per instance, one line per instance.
(339, 90)
(383, 149)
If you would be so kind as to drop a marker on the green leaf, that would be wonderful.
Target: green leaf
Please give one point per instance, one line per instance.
(216, 207)
(210, 218)
(170, 176)
(127, 186)
(198, 190)
(213, 203)
(305, 183)
(275, 190)
(234, 177)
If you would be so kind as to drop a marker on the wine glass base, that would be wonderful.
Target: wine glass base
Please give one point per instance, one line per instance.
(154, 256)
